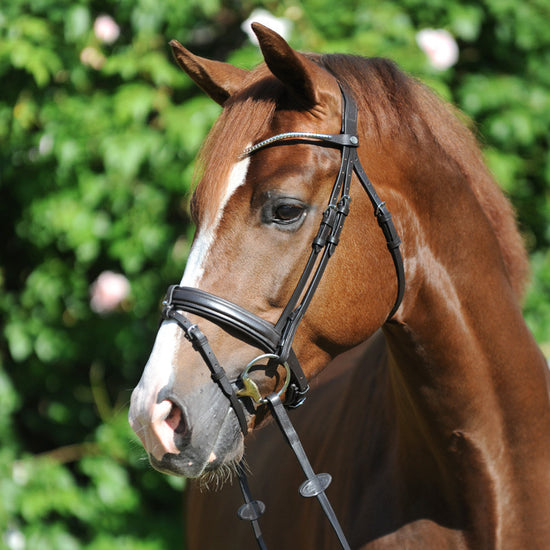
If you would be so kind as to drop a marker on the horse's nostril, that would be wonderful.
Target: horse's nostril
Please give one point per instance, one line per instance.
(176, 419)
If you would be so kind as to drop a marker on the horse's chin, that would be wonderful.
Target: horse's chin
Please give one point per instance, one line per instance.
(215, 478)
(213, 473)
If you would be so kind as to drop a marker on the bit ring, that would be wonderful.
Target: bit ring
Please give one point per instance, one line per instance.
(250, 388)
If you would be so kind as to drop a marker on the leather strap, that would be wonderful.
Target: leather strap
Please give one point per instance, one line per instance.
(231, 317)
(217, 372)
(252, 509)
(336, 139)
(242, 324)
(315, 484)
(385, 222)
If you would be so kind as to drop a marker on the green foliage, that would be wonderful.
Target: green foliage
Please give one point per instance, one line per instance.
(97, 141)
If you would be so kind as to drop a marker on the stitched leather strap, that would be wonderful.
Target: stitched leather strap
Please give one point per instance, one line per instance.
(385, 222)
(315, 484)
(242, 324)
(252, 509)
(229, 316)
(200, 344)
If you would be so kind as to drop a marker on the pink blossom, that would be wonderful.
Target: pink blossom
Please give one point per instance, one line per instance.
(106, 29)
(440, 47)
(92, 57)
(108, 291)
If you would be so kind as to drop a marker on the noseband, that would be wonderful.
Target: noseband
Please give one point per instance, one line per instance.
(276, 339)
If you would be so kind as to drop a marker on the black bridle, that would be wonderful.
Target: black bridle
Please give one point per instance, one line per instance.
(276, 339)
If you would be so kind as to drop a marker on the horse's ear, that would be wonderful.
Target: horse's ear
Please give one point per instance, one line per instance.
(295, 70)
(219, 80)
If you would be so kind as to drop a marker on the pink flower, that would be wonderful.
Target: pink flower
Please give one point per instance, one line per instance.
(108, 291)
(439, 46)
(92, 57)
(106, 29)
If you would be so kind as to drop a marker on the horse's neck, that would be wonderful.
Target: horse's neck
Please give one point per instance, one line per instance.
(471, 378)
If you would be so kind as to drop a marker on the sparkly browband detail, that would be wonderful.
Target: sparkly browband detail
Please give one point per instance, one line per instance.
(337, 139)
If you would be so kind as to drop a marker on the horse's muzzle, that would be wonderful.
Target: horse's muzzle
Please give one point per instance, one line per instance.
(174, 447)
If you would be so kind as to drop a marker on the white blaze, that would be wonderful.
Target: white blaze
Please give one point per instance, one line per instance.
(201, 247)
(156, 375)
(162, 362)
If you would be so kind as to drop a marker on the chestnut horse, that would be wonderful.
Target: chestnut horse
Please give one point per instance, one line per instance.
(437, 429)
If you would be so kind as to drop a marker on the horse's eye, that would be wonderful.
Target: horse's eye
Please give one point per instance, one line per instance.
(288, 213)
(284, 213)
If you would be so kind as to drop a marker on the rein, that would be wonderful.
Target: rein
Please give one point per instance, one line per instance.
(276, 340)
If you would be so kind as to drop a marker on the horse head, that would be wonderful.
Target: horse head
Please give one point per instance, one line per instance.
(257, 210)
(465, 404)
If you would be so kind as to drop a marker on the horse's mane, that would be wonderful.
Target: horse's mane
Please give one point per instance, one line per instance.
(397, 100)
(397, 103)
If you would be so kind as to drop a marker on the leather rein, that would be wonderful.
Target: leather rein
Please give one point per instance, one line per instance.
(276, 339)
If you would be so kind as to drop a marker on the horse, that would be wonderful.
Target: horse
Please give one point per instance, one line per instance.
(436, 421)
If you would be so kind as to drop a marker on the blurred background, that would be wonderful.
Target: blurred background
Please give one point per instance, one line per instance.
(98, 134)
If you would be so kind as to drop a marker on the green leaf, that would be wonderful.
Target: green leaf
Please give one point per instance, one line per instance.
(77, 23)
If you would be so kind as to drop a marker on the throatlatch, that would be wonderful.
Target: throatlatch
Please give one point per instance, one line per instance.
(276, 340)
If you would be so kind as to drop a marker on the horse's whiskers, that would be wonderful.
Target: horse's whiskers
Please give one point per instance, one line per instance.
(216, 479)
